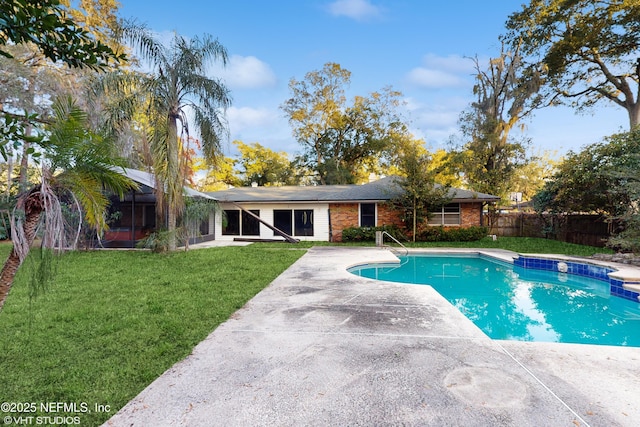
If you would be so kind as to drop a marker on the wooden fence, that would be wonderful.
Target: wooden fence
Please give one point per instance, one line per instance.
(591, 230)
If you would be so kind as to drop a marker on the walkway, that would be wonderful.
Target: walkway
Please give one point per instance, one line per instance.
(322, 347)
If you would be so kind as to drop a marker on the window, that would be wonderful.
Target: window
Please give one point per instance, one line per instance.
(282, 221)
(367, 214)
(447, 215)
(232, 227)
(250, 225)
(149, 216)
(303, 222)
(238, 224)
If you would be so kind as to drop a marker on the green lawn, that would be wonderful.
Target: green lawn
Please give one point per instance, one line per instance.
(516, 244)
(113, 321)
(523, 245)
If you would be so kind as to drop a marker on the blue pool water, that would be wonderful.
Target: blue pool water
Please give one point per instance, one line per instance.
(513, 303)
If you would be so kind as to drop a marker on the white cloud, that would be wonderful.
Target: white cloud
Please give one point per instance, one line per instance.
(429, 78)
(243, 118)
(453, 63)
(442, 71)
(246, 72)
(435, 119)
(359, 10)
(265, 125)
(438, 118)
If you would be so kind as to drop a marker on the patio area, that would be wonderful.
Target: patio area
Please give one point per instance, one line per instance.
(321, 346)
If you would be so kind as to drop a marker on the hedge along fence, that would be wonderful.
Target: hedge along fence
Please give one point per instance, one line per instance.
(429, 234)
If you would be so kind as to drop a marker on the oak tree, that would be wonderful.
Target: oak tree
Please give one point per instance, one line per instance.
(263, 166)
(338, 137)
(586, 50)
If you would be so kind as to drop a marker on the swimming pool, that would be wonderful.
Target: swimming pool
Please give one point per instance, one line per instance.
(510, 302)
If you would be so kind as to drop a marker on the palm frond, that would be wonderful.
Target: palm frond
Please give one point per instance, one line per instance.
(88, 190)
(137, 34)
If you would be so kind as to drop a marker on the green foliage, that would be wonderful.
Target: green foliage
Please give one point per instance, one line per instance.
(419, 194)
(5, 225)
(263, 166)
(368, 234)
(196, 211)
(114, 321)
(178, 83)
(13, 132)
(586, 50)
(340, 139)
(626, 224)
(489, 156)
(627, 240)
(158, 241)
(45, 24)
(452, 234)
(590, 180)
(426, 234)
(530, 177)
(82, 162)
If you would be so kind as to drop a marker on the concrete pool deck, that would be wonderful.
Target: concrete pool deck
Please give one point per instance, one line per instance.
(322, 347)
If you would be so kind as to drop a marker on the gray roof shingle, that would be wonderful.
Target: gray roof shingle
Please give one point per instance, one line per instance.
(380, 190)
(148, 179)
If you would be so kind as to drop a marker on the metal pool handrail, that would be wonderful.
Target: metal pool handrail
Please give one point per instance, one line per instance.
(381, 242)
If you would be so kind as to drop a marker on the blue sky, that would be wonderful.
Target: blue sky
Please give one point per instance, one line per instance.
(419, 47)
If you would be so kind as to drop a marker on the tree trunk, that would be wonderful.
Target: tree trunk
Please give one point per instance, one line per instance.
(173, 168)
(24, 162)
(171, 228)
(415, 213)
(33, 208)
(634, 115)
(9, 170)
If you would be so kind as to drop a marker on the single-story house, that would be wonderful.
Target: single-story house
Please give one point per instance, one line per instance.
(134, 217)
(320, 213)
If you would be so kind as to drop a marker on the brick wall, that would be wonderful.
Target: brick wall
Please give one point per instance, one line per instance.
(388, 216)
(342, 215)
(470, 214)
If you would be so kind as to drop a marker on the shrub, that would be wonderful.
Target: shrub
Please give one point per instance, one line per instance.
(453, 234)
(366, 234)
(158, 241)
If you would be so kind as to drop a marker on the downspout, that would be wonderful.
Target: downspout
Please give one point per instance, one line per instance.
(330, 229)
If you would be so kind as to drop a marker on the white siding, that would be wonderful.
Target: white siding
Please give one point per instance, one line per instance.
(320, 219)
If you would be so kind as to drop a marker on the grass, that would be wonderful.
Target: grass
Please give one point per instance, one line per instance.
(524, 245)
(113, 321)
(516, 244)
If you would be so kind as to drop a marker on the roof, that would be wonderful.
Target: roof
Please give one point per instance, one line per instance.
(148, 179)
(380, 190)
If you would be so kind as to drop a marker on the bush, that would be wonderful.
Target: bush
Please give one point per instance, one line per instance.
(158, 241)
(368, 234)
(453, 234)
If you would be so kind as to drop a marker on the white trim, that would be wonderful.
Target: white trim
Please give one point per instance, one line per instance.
(320, 219)
(442, 214)
(375, 212)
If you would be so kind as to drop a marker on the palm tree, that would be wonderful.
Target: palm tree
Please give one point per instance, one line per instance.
(77, 165)
(176, 93)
